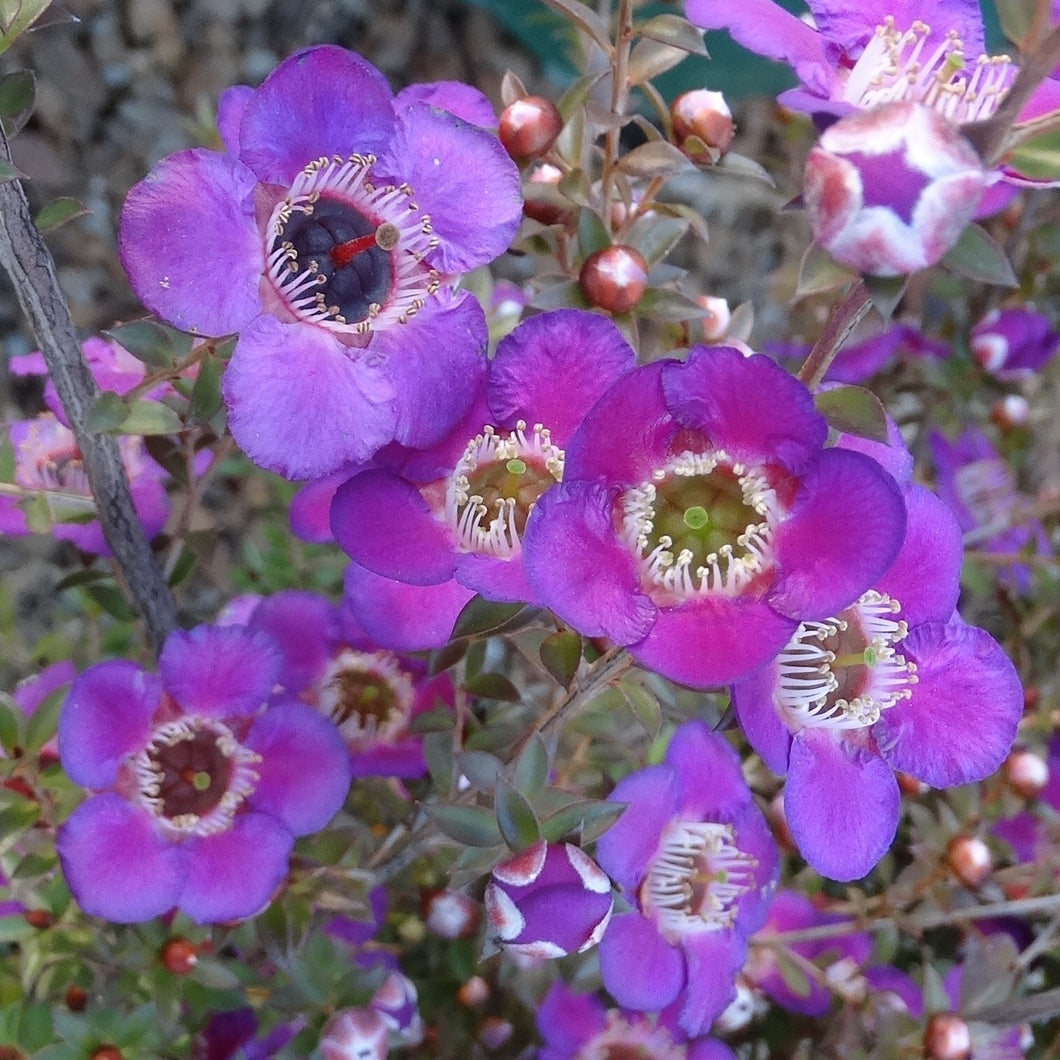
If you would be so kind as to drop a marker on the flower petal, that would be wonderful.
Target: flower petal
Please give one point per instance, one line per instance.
(714, 959)
(115, 862)
(310, 509)
(303, 627)
(304, 772)
(106, 718)
(639, 968)
(710, 783)
(230, 107)
(454, 96)
(190, 244)
(842, 804)
(219, 671)
(567, 1020)
(301, 404)
(233, 874)
(752, 699)
(961, 718)
(495, 578)
(625, 849)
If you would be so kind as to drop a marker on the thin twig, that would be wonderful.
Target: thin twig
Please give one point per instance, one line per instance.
(845, 316)
(26, 257)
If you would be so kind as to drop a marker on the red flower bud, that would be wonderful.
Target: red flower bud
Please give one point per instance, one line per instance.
(179, 956)
(1025, 773)
(705, 115)
(614, 278)
(947, 1037)
(529, 127)
(969, 859)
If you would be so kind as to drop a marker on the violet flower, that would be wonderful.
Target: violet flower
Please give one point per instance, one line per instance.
(199, 779)
(1014, 344)
(370, 693)
(549, 900)
(447, 522)
(327, 234)
(577, 1026)
(355, 1034)
(700, 518)
(694, 856)
(896, 681)
(49, 464)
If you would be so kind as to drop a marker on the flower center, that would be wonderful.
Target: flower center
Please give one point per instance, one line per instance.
(986, 490)
(702, 525)
(898, 65)
(50, 460)
(347, 255)
(494, 486)
(194, 775)
(842, 673)
(622, 1040)
(367, 695)
(696, 878)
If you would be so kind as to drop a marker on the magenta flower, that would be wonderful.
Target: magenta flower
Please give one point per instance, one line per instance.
(371, 694)
(896, 681)
(577, 1026)
(200, 779)
(49, 464)
(1014, 344)
(890, 190)
(696, 860)
(549, 900)
(355, 1034)
(447, 522)
(327, 235)
(700, 519)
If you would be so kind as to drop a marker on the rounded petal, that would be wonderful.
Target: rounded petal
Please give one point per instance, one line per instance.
(303, 405)
(321, 100)
(567, 1020)
(709, 1049)
(625, 849)
(713, 960)
(383, 523)
(842, 804)
(713, 640)
(106, 718)
(404, 617)
(463, 178)
(925, 576)
(554, 367)
(435, 364)
(748, 406)
(219, 671)
(233, 874)
(580, 569)
(752, 699)
(190, 245)
(304, 772)
(230, 107)
(454, 96)
(310, 510)
(754, 837)
(30, 693)
(640, 969)
(960, 721)
(116, 864)
(843, 531)
(710, 784)
(494, 578)
(303, 627)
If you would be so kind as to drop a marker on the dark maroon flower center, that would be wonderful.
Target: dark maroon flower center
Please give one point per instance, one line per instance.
(193, 775)
(361, 695)
(513, 485)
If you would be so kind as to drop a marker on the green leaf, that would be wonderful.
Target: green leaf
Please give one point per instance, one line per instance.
(655, 235)
(112, 601)
(16, 96)
(585, 19)
(9, 719)
(480, 767)
(481, 617)
(675, 31)
(58, 213)
(438, 720)
(853, 410)
(561, 654)
(515, 817)
(980, 257)
(577, 94)
(650, 58)
(44, 721)
(157, 345)
(645, 705)
(820, 272)
(151, 417)
(107, 414)
(1038, 157)
(491, 685)
(215, 974)
(438, 754)
(474, 826)
(795, 978)
(531, 767)
(8, 172)
(16, 16)
(182, 568)
(7, 458)
(667, 304)
(592, 235)
(15, 929)
(206, 400)
(886, 292)
(577, 816)
(1016, 18)
(657, 159)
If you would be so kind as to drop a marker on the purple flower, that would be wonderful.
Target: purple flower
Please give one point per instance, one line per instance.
(327, 235)
(1014, 344)
(548, 900)
(889, 191)
(695, 858)
(202, 780)
(233, 1035)
(897, 681)
(49, 465)
(979, 488)
(447, 522)
(370, 693)
(355, 1034)
(575, 1026)
(700, 518)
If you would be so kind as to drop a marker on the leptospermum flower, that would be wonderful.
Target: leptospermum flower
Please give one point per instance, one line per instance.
(327, 235)
(370, 693)
(694, 856)
(890, 190)
(1015, 343)
(700, 519)
(448, 521)
(200, 779)
(896, 681)
(549, 900)
(578, 1026)
(49, 464)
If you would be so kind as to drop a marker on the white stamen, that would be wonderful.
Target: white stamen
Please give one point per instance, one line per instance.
(358, 725)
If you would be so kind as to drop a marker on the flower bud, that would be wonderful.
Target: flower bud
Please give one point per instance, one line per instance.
(76, 998)
(354, 1034)
(703, 126)
(614, 278)
(890, 190)
(179, 956)
(947, 1037)
(969, 859)
(1013, 344)
(1025, 773)
(450, 914)
(548, 900)
(495, 1033)
(529, 127)
(106, 1052)
(1013, 410)
(542, 199)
